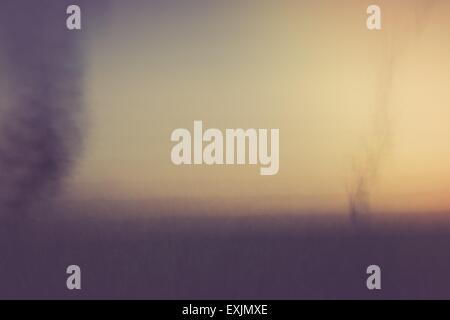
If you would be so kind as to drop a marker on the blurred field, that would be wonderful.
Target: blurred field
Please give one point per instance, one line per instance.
(124, 254)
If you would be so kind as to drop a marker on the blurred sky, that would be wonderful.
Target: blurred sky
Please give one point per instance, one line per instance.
(309, 68)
